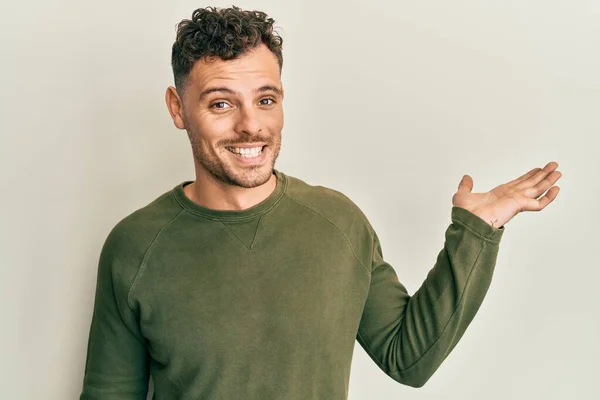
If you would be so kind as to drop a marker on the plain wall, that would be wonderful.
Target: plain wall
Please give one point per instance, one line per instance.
(388, 102)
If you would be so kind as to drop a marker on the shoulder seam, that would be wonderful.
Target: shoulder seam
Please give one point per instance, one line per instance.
(144, 259)
(337, 227)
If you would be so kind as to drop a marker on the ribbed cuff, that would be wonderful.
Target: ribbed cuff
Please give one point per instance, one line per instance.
(476, 225)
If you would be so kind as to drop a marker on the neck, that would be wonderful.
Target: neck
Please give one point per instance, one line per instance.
(212, 193)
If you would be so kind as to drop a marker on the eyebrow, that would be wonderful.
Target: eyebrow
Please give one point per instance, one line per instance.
(265, 88)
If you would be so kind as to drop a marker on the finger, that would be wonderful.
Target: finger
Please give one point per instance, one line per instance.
(538, 176)
(466, 184)
(524, 177)
(545, 184)
(537, 205)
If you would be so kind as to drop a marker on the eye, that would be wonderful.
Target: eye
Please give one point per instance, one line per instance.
(267, 99)
(219, 105)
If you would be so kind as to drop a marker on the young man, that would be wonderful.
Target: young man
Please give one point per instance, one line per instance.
(251, 284)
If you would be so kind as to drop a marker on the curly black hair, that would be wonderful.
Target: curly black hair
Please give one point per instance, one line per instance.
(220, 32)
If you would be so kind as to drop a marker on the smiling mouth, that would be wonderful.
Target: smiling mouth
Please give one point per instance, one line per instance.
(246, 152)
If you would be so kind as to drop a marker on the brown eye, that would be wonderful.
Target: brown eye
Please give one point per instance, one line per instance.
(267, 104)
(218, 104)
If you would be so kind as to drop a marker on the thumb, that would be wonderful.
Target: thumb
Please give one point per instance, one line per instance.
(466, 184)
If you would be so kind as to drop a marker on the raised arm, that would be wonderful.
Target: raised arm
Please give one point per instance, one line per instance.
(408, 337)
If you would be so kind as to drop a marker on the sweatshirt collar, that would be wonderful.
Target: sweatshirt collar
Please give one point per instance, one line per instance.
(230, 215)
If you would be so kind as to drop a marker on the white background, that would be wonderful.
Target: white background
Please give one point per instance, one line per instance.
(388, 102)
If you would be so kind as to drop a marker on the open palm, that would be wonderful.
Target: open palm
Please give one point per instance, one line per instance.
(501, 204)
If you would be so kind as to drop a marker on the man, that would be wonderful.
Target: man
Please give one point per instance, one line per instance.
(248, 283)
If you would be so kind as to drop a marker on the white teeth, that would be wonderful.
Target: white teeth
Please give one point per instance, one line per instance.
(246, 152)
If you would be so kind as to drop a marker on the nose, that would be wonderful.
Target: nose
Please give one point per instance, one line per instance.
(248, 121)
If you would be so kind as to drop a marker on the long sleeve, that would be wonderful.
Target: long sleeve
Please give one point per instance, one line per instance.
(117, 358)
(409, 337)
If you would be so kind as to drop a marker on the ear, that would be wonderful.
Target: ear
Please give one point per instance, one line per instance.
(175, 106)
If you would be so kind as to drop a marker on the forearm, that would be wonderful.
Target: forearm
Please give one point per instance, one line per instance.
(410, 337)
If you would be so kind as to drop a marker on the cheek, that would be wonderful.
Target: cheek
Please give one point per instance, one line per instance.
(275, 122)
(213, 129)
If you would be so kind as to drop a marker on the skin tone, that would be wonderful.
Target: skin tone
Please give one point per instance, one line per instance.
(235, 103)
(501, 204)
(239, 103)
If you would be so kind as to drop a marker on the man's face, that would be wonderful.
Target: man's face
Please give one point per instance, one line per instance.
(232, 111)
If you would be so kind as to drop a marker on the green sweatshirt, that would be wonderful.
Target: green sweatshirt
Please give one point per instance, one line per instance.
(266, 303)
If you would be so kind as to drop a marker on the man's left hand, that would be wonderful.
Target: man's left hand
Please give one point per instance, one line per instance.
(502, 203)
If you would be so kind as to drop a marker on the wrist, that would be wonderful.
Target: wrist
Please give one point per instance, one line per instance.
(489, 219)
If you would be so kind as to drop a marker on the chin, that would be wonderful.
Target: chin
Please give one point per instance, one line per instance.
(243, 176)
(231, 172)
(251, 178)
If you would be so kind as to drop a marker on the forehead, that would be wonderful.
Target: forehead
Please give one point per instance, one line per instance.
(256, 68)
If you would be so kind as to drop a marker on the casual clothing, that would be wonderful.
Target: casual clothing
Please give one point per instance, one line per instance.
(266, 303)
